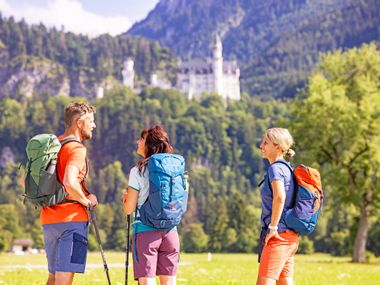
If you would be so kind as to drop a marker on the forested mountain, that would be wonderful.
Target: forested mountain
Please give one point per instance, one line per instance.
(275, 42)
(36, 60)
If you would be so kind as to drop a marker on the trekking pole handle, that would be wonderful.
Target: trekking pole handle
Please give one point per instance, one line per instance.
(90, 206)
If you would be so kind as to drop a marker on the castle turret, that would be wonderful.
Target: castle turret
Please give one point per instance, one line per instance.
(128, 73)
(154, 80)
(218, 65)
(100, 93)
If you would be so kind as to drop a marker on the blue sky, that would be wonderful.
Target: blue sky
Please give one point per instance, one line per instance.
(91, 17)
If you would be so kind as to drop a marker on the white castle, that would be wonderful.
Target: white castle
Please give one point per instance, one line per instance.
(197, 77)
(128, 73)
(213, 75)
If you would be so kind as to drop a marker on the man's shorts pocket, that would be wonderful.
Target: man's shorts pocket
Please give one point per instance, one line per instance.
(79, 251)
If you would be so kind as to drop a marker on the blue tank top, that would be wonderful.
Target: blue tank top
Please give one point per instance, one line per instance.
(276, 171)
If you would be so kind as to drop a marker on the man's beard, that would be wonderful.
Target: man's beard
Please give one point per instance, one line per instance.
(86, 135)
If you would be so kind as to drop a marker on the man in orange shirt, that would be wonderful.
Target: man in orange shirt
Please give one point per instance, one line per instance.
(65, 225)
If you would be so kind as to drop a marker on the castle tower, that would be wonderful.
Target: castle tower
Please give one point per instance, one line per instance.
(128, 73)
(154, 80)
(217, 63)
(100, 93)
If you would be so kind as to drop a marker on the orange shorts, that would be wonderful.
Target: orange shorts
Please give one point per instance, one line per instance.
(277, 258)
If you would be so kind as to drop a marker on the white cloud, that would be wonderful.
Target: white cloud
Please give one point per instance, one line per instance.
(67, 13)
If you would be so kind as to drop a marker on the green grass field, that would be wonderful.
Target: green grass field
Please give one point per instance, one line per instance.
(224, 269)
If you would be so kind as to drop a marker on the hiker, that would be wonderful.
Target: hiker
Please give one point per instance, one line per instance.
(278, 242)
(155, 251)
(65, 225)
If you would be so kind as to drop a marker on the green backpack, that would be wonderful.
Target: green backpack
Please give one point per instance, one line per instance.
(42, 186)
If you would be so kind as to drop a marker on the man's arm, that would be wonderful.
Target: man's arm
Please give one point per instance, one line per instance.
(74, 188)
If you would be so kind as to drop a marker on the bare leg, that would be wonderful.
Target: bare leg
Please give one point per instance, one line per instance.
(147, 281)
(261, 280)
(285, 281)
(168, 280)
(64, 278)
(51, 279)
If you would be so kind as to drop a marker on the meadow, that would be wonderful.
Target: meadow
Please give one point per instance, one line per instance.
(195, 269)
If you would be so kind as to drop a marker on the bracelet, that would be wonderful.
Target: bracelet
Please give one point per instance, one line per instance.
(275, 228)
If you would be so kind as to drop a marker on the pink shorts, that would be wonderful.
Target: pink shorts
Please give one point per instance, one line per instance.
(156, 253)
(277, 258)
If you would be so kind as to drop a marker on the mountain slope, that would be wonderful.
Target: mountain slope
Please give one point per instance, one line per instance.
(36, 60)
(276, 42)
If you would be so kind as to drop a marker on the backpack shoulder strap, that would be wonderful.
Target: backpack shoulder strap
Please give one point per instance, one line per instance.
(71, 139)
(284, 163)
(295, 183)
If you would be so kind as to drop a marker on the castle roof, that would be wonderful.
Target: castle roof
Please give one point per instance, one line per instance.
(230, 66)
(199, 66)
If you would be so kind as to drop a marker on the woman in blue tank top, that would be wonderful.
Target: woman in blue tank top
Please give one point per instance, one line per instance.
(279, 242)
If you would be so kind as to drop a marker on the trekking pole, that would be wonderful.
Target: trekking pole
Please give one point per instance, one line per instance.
(127, 249)
(93, 220)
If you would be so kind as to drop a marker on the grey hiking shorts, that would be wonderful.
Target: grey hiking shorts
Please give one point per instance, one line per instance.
(66, 246)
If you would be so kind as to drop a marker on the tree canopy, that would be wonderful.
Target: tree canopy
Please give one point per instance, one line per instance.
(341, 112)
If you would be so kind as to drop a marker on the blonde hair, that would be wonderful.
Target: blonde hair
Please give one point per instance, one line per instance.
(282, 138)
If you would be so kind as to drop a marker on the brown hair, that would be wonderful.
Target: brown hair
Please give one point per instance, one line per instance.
(75, 110)
(156, 141)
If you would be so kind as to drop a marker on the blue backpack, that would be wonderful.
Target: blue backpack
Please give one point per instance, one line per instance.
(307, 199)
(167, 200)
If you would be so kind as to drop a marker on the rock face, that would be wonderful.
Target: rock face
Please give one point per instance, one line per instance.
(41, 76)
(276, 43)
(31, 76)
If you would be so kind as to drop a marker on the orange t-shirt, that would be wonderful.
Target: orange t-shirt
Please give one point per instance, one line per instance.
(72, 153)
